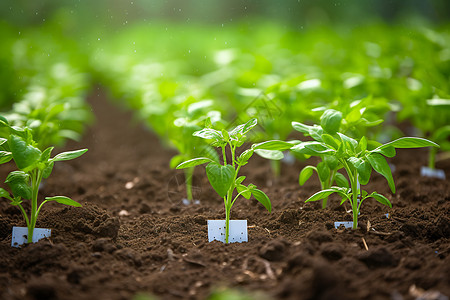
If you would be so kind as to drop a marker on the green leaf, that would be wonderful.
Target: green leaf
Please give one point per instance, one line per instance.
(340, 180)
(244, 190)
(323, 170)
(380, 165)
(441, 134)
(388, 151)
(262, 198)
(363, 168)
(5, 157)
(305, 174)
(208, 133)
(239, 179)
(331, 161)
(245, 156)
(45, 156)
(220, 177)
(331, 120)
(363, 144)
(5, 194)
(350, 144)
(270, 154)
(69, 155)
(2, 141)
(176, 160)
(301, 127)
(320, 195)
(273, 145)
(312, 148)
(410, 142)
(380, 198)
(19, 182)
(194, 162)
(249, 125)
(242, 129)
(63, 200)
(25, 156)
(48, 170)
(330, 141)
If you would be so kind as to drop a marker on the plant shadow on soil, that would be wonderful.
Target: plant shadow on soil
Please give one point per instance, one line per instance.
(133, 234)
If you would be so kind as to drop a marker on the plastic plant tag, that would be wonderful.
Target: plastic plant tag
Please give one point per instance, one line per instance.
(433, 173)
(348, 224)
(20, 234)
(237, 232)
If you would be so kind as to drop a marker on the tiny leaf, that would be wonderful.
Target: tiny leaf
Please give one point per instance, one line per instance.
(194, 162)
(380, 165)
(69, 155)
(262, 198)
(270, 154)
(382, 199)
(305, 174)
(331, 120)
(63, 200)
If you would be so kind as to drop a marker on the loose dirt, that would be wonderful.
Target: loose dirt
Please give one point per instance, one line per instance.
(133, 234)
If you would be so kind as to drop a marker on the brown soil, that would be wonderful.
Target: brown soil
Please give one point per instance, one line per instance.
(161, 247)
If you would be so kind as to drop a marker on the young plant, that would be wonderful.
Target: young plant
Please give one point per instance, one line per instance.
(224, 177)
(358, 161)
(188, 121)
(33, 165)
(327, 168)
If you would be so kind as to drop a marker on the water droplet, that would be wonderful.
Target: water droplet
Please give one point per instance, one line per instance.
(98, 39)
(189, 51)
(134, 43)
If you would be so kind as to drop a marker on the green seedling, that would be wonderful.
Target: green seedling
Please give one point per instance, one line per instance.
(188, 121)
(224, 177)
(33, 166)
(358, 161)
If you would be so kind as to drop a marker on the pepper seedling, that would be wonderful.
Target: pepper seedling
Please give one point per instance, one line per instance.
(33, 166)
(224, 177)
(358, 162)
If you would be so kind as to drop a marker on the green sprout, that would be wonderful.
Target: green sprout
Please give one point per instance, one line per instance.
(224, 177)
(358, 161)
(33, 166)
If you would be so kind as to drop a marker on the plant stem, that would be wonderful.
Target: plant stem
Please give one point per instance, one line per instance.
(188, 173)
(276, 168)
(355, 194)
(432, 158)
(224, 156)
(36, 178)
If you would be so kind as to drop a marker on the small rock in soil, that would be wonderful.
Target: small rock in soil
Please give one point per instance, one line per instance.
(378, 257)
(274, 250)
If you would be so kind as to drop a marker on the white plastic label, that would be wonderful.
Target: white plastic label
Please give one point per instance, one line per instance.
(237, 232)
(20, 235)
(433, 173)
(348, 224)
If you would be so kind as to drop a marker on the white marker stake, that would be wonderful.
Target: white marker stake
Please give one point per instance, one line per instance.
(236, 234)
(348, 224)
(433, 173)
(20, 235)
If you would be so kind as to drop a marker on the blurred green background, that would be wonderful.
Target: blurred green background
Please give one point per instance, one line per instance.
(82, 14)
